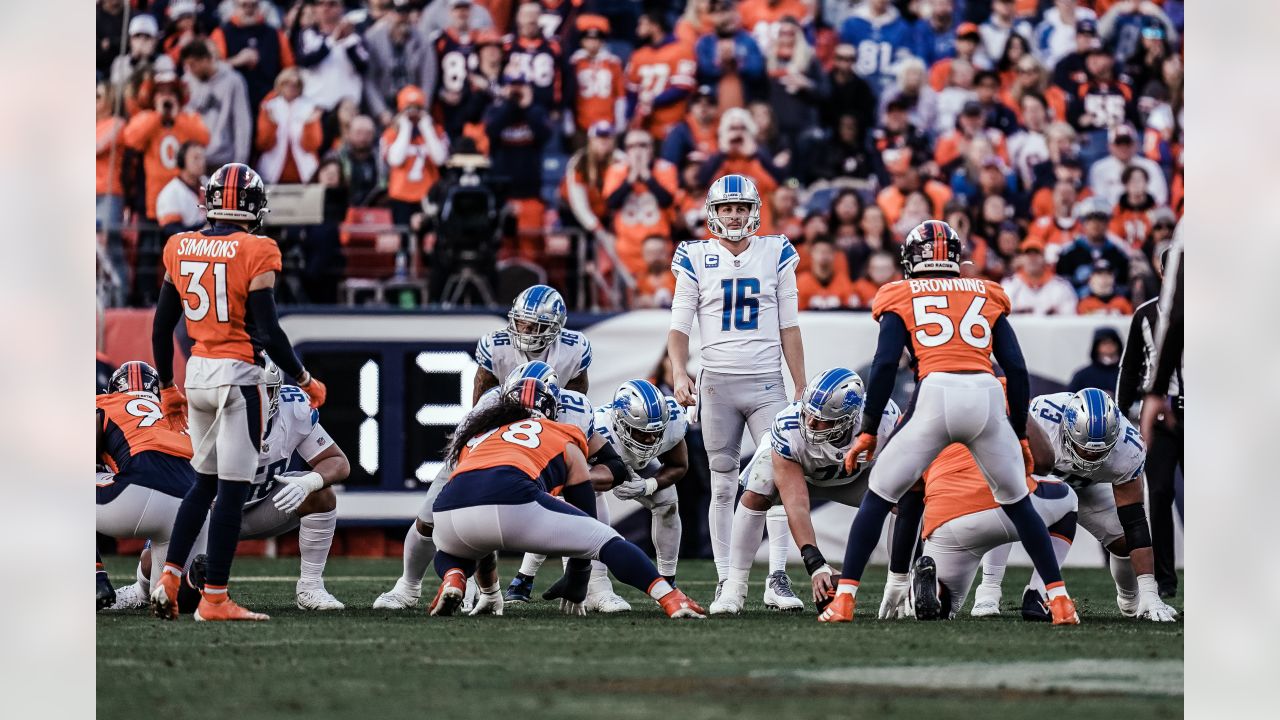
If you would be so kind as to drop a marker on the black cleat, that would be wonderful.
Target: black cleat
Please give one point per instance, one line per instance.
(106, 593)
(191, 585)
(924, 588)
(1034, 608)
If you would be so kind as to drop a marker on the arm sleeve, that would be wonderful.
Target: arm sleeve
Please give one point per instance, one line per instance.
(168, 313)
(788, 299)
(399, 148)
(684, 303)
(619, 196)
(884, 369)
(1131, 361)
(1009, 354)
(1169, 332)
(661, 194)
(262, 307)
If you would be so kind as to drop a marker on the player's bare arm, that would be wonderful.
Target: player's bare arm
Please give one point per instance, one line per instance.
(579, 383)
(678, 351)
(675, 463)
(483, 382)
(793, 491)
(793, 351)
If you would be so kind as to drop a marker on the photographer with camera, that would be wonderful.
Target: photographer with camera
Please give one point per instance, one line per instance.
(640, 192)
(517, 129)
(414, 151)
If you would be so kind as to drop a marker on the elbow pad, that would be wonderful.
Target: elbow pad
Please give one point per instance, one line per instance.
(610, 458)
(1133, 518)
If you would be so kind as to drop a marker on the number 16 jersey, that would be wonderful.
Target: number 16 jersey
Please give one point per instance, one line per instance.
(948, 320)
(211, 270)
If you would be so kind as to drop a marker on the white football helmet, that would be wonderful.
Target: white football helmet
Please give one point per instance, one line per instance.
(733, 189)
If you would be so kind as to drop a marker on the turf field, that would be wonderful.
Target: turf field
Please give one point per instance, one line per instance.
(533, 663)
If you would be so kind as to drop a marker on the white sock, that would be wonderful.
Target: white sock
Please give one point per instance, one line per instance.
(418, 554)
(748, 531)
(724, 487)
(779, 538)
(993, 566)
(531, 563)
(315, 537)
(845, 588)
(599, 582)
(660, 589)
(665, 530)
(142, 582)
(1126, 580)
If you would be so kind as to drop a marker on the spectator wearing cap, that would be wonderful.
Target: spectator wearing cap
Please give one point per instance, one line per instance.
(399, 55)
(883, 38)
(998, 27)
(797, 84)
(881, 269)
(1069, 71)
(935, 36)
(740, 153)
(995, 114)
(1034, 288)
(518, 128)
(1055, 36)
(640, 191)
(1058, 228)
(1163, 221)
(135, 72)
(414, 152)
(896, 132)
(660, 77)
(764, 19)
(582, 190)
(1106, 176)
(968, 40)
(953, 147)
(1145, 65)
(905, 178)
(438, 15)
(178, 205)
(821, 287)
(656, 284)
(909, 86)
(729, 59)
(289, 132)
(360, 162)
(109, 24)
(1076, 261)
(333, 57)
(696, 135)
(255, 49)
(1131, 218)
(849, 92)
(157, 134)
(595, 79)
(1100, 295)
(221, 97)
(1122, 25)
(182, 28)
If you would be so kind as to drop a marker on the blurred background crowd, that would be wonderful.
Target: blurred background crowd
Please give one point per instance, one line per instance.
(427, 151)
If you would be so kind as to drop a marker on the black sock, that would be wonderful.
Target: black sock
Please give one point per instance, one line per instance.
(864, 535)
(906, 531)
(190, 518)
(1035, 539)
(224, 529)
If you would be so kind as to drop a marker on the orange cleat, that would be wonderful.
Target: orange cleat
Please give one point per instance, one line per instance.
(678, 605)
(224, 611)
(839, 610)
(453, 588)
(1063, 610)
(164, 597)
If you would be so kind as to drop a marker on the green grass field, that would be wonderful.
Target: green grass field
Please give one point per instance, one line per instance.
(534, 663)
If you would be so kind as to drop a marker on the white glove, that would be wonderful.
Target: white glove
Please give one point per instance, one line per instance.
(1150, 606)
(568, 607)
(294, 489)
(893, 606)
(488, 602)
(635, 487)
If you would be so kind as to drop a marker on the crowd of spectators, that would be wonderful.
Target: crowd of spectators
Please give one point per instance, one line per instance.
(1048, 133)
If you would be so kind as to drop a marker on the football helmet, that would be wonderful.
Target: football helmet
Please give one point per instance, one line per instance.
(1090, 428)
(640, 417)
(538, 397)
(932, 246)
(235, 192)
(541, 312)
(274, 379)
(535, 369)
(136, 378)
(831, 404)
(733, 189)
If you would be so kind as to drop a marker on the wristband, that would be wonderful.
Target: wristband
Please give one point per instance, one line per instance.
(650, 486)
(813, 560)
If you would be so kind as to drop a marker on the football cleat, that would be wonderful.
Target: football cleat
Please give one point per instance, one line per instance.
(606, 603)
(985, 608)
(730, 600)
(520, 590)
(164, 596)
(677, 605)
(719, 588)
(839, 610)
(400, 597)
(317, 599)
(449, 597)
(924, 586)
(1034, 608)
(226, 611)
(129, 597)
(1063, 610)
(106, 593)
(778, 594)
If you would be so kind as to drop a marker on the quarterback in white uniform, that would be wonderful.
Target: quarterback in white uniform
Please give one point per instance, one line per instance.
(535, 331)
(808, 442)
(1101, 455)
(741, 289)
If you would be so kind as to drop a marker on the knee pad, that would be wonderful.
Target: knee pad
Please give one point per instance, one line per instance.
(424, 528)
(1066, 526)
(723, 463)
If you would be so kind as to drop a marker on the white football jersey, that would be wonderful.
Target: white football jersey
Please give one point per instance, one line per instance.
(1124, 463)
(671, 437)
(295, 428)
(737, 310)
(822, 463)
(569, 355)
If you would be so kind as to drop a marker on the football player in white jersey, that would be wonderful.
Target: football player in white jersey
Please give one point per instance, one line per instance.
(535, 331)
(607, 471)
(800, 459)
(741, 289)
(1101, 455)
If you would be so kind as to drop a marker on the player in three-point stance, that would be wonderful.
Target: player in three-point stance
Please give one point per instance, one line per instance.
(222, 280)
(741, 288)
(535, 331)
(1095, 450)
(952, 326)
(504, 459)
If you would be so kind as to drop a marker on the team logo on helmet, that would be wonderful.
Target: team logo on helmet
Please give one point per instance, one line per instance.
(932, 246)
(1090, 428)
(536, 318)
(640, 416)
(830, 405)
(733, 189)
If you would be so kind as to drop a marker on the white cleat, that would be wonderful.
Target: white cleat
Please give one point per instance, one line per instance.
(400, 597)
(778, 594)
(985, 608)
(129, 597)
(606, 603)
(732, 598)
(317, 598)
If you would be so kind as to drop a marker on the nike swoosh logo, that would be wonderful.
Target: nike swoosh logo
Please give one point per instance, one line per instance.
(769, 387)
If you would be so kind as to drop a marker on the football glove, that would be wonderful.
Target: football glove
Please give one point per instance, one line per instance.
(174, 406)
(635, 487)
(1150, 606)
(488, 602)
(866, 443)
(294, 489)
(893, 606)
(315, 390)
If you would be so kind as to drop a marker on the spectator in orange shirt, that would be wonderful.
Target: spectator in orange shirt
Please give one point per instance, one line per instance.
(1100, 296)
(967, 42)
(905, 179)
(583, 187)
(289, 133)
(656, 285)
(953, 147)
(640, 193)
(695, 22)
(1131, 219)
(763, 18)
(415, 151)
(696, 135)
(740, 153)
(882, 268)
(595, 79)
(182, 27)
(157, 134)
(660, 76)
(109, 192)
(1058, 228)
(821, 287)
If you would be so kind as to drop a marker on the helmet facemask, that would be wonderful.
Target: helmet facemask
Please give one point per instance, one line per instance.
(1086, 458)
(641, 442)
(530, 332)
(274, 380)
(819, 429)
(719, 228)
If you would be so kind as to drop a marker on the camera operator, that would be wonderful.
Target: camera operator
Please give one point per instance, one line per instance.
(518, 128)
(465, 205)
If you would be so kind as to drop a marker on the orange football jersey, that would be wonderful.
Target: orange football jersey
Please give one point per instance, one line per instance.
(143, 426)
(211, 270)
(654, 70)
(837, 292)
(640, 216)
(159, 146)
(599, 83)
(954, 487)
(761, 18)
(948, 320)
(411, 179)
(527, 445)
